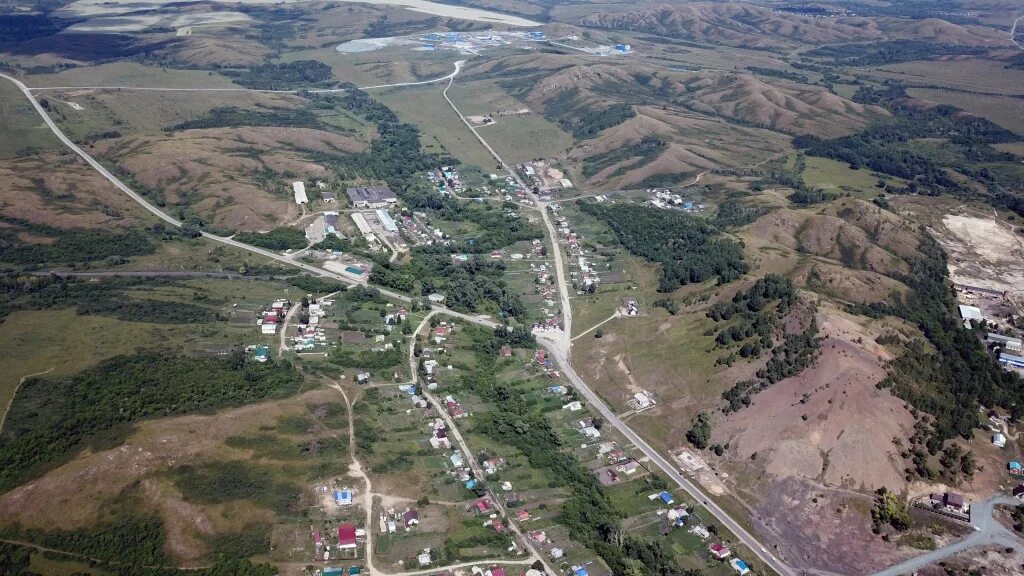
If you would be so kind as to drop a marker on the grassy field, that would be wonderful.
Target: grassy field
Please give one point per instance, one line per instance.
(516, 137)
(442, 130)
(374, 68)
(130, 74)
(21, 128)
(971, 74)
(838, 177)
(67, 343)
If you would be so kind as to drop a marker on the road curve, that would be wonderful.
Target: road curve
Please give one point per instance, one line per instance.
(988, 532)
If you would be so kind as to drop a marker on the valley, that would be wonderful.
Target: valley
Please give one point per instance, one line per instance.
(645, 284)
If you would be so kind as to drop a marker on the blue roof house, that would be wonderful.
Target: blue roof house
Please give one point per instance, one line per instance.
(666, 497)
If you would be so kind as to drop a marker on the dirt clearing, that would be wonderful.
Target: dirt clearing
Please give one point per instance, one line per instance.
(982, 252)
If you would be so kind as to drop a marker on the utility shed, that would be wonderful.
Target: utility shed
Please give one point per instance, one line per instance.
(300, 193)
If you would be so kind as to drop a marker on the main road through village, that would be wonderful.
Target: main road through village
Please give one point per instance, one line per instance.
(558, 343)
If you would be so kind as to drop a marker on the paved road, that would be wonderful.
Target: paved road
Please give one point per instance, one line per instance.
(563, 290)
(667, 467)
(989, 532)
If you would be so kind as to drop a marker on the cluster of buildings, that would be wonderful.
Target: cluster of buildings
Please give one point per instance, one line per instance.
(1006, 348)
(447, 180)
(583, 275)
(390, 520)
(667, 199)
(545, 178)
(271, 318)
(364, 197)
(310, 333)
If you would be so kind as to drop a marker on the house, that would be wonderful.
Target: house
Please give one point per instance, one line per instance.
(327, 197)
(951, 502)
(505, 351)
(700, 532)
(557, 553)
(411, 518)
(457, 460)
(740, 566)
(538, 536)
(436, 298)
(498, 526)
(268, 326)
(493, 465)
(628, 467)
(495, 571)
(440, 439)
(523, 515)
(998, 440)
(590, 432)
(262, 354)
(482, 506)
(580, 571)
(575, 406)
(1018, 492)
(424, 557)
(299, 188)
(666, 497)
(347, 536)
(719, 551)
(1015, 468)
(371, 196)
(343, 497)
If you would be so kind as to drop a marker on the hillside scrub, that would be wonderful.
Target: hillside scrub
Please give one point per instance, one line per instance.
(106, 297)
(951, 383)
(885, 147)
(283, 76)
(685, 245)
(277, 239)
(51, 419)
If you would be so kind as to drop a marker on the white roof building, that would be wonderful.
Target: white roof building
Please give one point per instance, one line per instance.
(969, 313)
(300, 193)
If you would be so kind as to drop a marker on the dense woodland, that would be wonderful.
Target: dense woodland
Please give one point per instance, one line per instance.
(51, 419)
(686, 246)
(72, 246)
(283, 76)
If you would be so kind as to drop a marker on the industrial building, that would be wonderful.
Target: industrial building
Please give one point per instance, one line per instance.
(387, 221)
(969, 313)
(1007, 343)
(371, 197)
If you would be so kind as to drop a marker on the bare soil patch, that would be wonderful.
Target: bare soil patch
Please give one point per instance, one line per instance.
(982, 252)
(829, 423)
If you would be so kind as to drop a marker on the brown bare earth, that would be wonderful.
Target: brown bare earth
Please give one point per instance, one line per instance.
(829, 530)
(731, 24)
(62, 191)
(982, 252)
(847, 437)
(221, 173)
(990, 561)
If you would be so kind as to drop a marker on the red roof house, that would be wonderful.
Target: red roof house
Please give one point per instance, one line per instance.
(347, 536)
